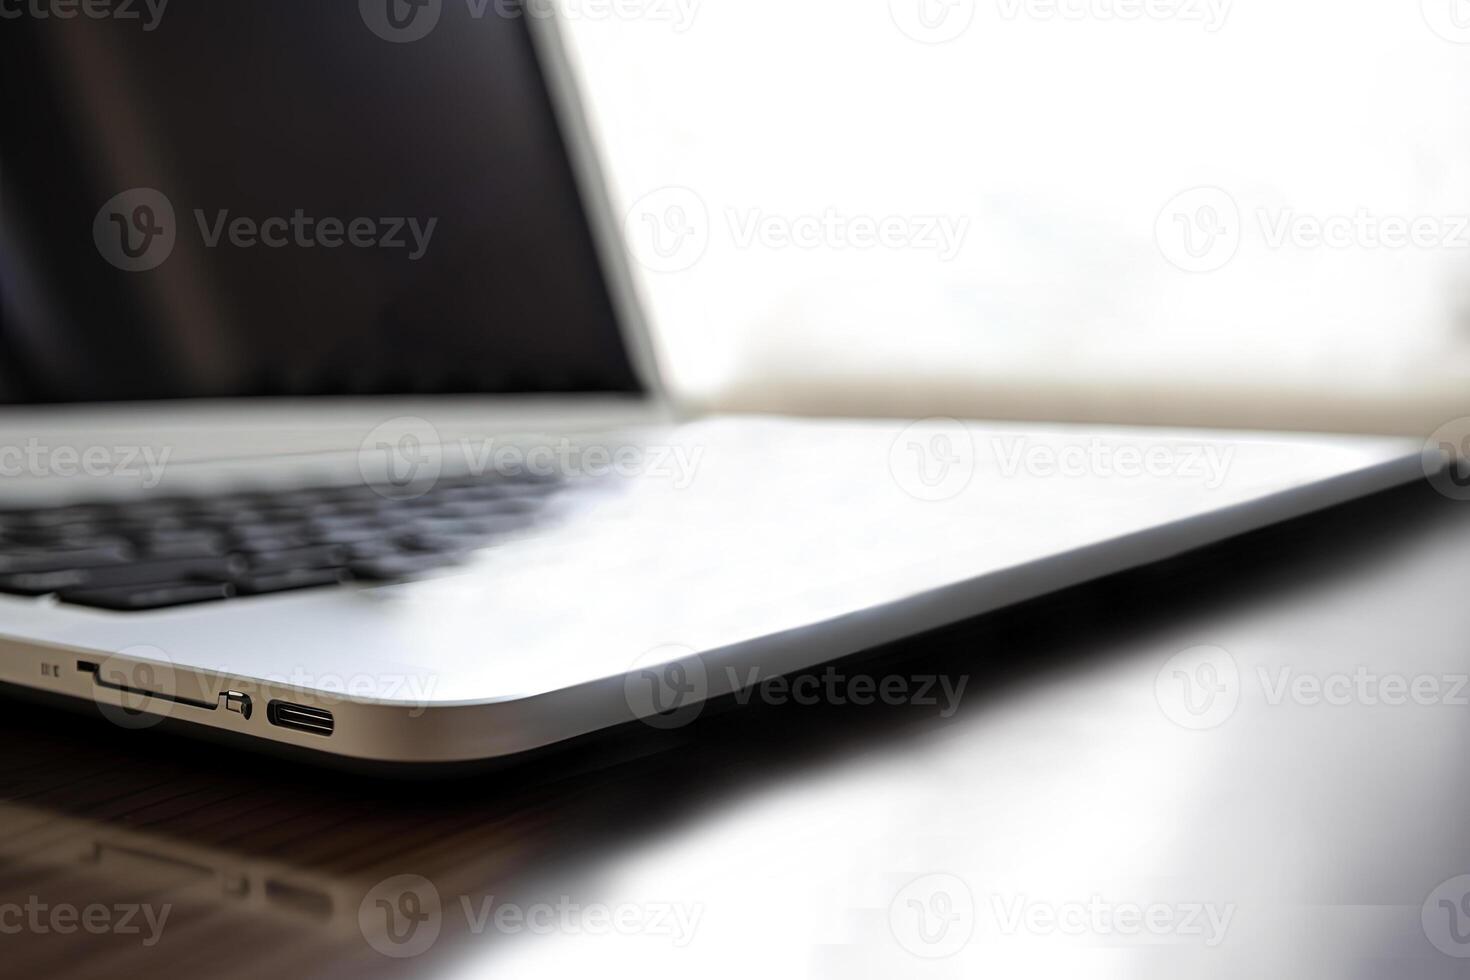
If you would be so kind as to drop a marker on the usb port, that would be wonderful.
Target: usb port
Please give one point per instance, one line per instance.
(284, 714)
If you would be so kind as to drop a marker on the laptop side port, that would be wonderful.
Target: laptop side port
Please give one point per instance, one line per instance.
(284, 714)
(238, 703)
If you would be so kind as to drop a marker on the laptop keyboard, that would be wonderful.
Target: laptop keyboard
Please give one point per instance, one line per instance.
(159, 553)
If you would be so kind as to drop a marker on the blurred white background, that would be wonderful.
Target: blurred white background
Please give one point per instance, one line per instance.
(988, 207)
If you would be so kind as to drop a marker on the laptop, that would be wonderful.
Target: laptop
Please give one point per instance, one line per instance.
(329, 422)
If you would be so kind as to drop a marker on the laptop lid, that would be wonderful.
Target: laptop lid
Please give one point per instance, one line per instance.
(276, 198)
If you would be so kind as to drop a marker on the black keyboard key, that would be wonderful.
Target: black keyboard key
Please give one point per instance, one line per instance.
(350, 508)
(182, 544)
(162, 534)
(348, 534)
(266, 546)
(473, 509)
(299, 578)
(478, 491)
(267, 530)
(240, 521)
(439, 544)
(200, 548)
(140, 527)
(154, 510)
(459, 535)
(57, 533)
(39, 583)
(378, 548)
(57, 516)
(152, 596)
(318, 556)
(148, 572)
(471, 527)
(224, 503)
(398, 567)
(352, 522)
(62, 559)
(91, 541)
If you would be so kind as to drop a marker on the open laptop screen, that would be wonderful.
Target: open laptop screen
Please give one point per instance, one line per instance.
(274, 197)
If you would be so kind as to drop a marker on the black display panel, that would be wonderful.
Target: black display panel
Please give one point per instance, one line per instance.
(227, 198)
